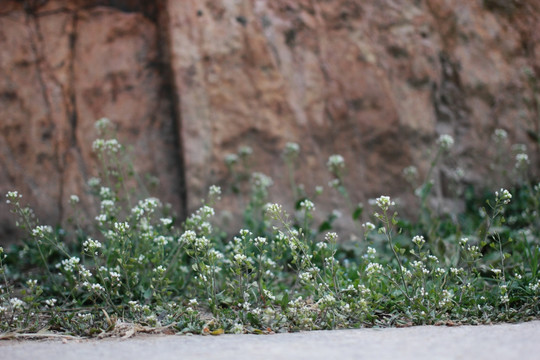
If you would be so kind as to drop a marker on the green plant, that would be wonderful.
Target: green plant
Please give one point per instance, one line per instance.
(137, 263)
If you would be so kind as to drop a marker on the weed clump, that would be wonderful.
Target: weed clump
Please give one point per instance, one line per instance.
(136, 263)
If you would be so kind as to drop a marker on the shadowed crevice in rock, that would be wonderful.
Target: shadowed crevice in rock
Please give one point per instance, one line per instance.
(170, 91)
(36, 45)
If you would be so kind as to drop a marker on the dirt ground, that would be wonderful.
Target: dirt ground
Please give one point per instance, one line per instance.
(503, 341)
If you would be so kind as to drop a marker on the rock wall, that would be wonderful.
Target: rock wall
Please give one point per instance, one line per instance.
(64, 64)
(190, 81)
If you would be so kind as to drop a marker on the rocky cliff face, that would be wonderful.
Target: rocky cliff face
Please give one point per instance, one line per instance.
(189, 81)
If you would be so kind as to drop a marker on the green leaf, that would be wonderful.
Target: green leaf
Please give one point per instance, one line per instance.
(357, 212)
(284, 301)
(325, 226)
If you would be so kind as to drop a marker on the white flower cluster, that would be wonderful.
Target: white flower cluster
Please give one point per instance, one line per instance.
(273, 210)
(522, 161)
(97, 288)
(445, 142)
(245, 151)
(500, 135)
(111, 145)
(166, 221)
(373, 268)
(41, 231)
(231, 159)
(102, 124)
(121, 227)
(418, 265)
(107, 206)
(93, 182)
(269, 295)
(69, 265)
(160, 270)
(335, 163)
(503, 196)
(535, 286)
(384, 202)
(214, 191)
(410, 172)
(261, 180)
(237, 329)
(291, 149)
(17, 303)
(259, 241)
(162, 240)
(13, 196)
(368, 226)
(307, 205)
(305, 277)
(105, 193)
(50, 302)
(240, 258)
(419, 240)
(148, 206)
(331, 237)
(91, 245)
(84, 317)
(326, 300)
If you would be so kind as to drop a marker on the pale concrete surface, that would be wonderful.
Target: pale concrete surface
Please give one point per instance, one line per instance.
(505, 341)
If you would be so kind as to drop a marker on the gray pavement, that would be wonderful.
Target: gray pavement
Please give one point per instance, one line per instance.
(504, 341)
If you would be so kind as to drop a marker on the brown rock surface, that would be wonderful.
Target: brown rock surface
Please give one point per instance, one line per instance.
(375, 81)
(189, 81)
(62, 67)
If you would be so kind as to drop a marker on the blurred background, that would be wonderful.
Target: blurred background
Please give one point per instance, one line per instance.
(187, 82)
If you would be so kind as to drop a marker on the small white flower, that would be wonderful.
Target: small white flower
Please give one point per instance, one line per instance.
(419, 240)
(50, 302)
(91, 245)
(161, 240)
(260, 180)
(291, 149)
(273, 210)
(214, 191)
(240, 258)
(105, 192)
(121, 227)
(94, 182)
(166, 221)
(307, 205)
(231, 159)
(74, 199)
(410, 172)
(522, 160)
(102, 124)
(237, 329)
(17, 303)
(368, 226)
(335, 163)
(500, 135)
(384, 202)
(259, 241)
(371, 252)
(503, 196)
(445, 142)
(331, 237)
(41, 230)
(373, 268)
(245, 151)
